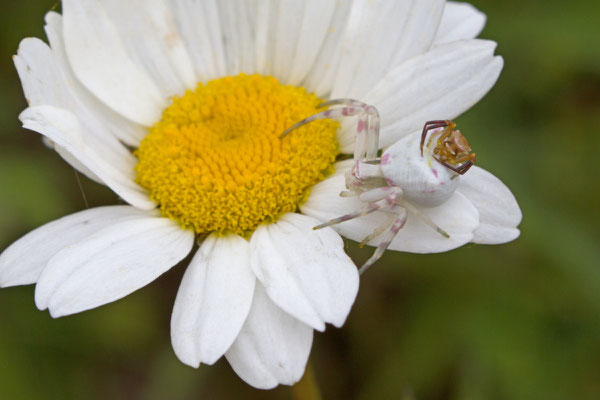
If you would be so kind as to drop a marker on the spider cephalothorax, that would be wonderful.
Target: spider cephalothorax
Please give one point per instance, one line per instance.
(451, 149)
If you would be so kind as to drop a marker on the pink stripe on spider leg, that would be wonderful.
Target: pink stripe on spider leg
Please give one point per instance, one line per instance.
(385, 159)
(356, 169)
(361, 126)
(387, 240)
(396, 227)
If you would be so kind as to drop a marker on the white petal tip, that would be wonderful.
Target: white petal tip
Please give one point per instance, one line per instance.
(56, 314)
(41, 304)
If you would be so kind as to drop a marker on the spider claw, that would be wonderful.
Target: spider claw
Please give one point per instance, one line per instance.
(442, 232)
(369, 262)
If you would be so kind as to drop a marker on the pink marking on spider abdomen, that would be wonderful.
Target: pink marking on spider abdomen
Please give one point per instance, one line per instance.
(327, 113)
(385, 159)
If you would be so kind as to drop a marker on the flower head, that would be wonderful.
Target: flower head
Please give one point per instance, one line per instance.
(177, 106)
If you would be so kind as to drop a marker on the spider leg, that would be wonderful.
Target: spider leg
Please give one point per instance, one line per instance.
(429, 125)
(396, 225)
(351, 108)
(465, 167)
(367, 135)
(380, 193)
(378, 231)
(368, 209)
(424, 218)
(321, 115)
(446, 133)
(462, 169)
(367, 128)
(387, 199)
(341, 102)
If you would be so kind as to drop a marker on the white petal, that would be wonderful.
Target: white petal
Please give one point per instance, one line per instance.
(89, 109)
(459, 21)
(63, 128)
(110, 264)
(289, 35)
(152, 40)
(441, 84)
(272, 347)
(101, 61)
(200, 28)
(72, 161)
(457, 217)
(380, 35)
(305, 272)
(46, 82)
(498, 209)
(237, 31)
(321, 77)
(213, 300)
(23, 261)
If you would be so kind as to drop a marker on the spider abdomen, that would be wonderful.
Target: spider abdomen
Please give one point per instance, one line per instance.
(423, 180)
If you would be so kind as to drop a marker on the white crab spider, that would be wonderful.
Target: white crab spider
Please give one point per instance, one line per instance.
(409, 172)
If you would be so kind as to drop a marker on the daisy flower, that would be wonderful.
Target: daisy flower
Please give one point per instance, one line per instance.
(178, 106)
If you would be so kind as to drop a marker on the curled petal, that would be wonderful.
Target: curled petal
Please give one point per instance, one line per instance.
(498, 209)
(272, 347)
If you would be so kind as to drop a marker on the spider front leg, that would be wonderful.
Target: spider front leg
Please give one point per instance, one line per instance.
(463, 168)
(366, 129)
(431, 125)
(452, 149)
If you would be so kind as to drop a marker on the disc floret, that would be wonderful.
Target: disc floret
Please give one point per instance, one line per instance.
(216, 163)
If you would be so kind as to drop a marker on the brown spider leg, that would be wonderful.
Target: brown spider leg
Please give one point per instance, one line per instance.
(429, 125)
(459, 170)
(447, 132)
(466, 166)
(468, 157)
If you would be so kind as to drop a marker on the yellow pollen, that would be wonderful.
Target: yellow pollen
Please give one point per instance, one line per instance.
(215, 162)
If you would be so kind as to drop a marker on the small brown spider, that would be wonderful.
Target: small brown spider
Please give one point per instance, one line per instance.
(452, 149)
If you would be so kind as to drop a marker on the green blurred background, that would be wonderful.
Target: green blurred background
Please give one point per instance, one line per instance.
(516, 321)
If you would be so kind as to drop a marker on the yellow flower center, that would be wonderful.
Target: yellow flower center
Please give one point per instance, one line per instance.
(215, 162)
